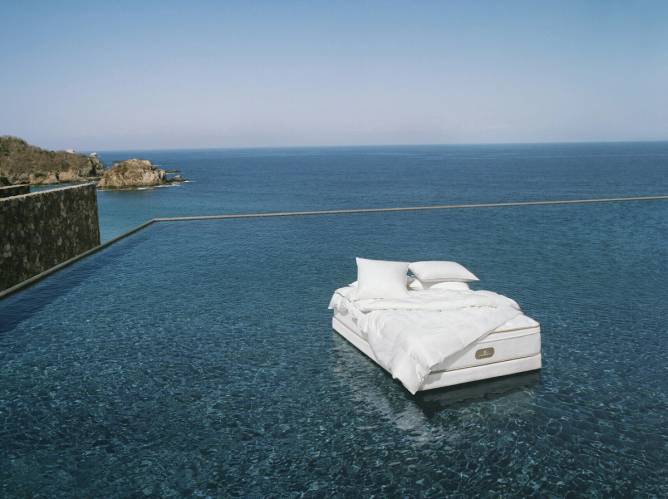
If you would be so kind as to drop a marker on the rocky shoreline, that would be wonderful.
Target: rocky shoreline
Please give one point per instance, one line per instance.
(22, 163)
(133, 173)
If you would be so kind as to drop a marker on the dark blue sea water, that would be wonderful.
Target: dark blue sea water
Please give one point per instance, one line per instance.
(232, 181)
(197, 358)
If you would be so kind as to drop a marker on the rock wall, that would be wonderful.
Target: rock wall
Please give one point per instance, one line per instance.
(43, 229)
(14, 190)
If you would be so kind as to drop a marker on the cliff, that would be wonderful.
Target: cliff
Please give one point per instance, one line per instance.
(133, 173)
(22, 163)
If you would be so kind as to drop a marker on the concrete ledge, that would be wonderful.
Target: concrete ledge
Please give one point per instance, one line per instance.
(55, 189)
(408, 208)
(14, 190)
(24, 284)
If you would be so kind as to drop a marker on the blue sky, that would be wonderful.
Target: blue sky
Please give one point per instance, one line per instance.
(161, 74)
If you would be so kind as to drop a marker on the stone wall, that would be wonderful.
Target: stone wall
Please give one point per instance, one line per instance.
(43, 229)
(14, 190)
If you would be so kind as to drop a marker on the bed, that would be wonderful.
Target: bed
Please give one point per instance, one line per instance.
(488, 351)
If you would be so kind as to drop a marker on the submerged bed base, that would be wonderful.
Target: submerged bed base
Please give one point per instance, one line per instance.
(441, 379)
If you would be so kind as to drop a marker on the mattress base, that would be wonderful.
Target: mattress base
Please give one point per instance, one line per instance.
(440, 379)
(495, 347)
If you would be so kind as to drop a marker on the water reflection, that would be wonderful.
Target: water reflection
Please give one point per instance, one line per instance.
(524, 384)
(433, 414)
(22, 306)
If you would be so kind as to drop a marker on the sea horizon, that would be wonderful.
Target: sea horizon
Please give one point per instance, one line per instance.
(224, 180)
(365, 146)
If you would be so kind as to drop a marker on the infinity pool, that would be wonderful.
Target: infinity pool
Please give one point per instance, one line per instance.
(197, 358)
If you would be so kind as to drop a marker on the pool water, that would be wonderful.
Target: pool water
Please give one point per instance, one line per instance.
(197, 358)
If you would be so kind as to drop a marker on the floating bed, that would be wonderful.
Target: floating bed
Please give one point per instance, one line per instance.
(439, 336)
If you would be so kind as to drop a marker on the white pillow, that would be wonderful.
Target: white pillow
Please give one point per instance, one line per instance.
(381, 279)
(437, 271)
(418, 285)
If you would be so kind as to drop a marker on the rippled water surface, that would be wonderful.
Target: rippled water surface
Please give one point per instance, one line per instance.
(197, 358)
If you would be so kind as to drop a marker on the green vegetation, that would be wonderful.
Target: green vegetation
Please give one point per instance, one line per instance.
(21, 162)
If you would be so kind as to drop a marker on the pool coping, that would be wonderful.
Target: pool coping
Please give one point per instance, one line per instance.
(346, 211)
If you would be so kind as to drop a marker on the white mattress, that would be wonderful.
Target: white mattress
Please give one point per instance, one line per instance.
(516, 339)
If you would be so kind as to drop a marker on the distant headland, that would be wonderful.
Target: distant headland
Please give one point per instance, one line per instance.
(23, 163)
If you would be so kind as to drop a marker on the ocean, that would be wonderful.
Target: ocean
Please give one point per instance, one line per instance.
(258, 180)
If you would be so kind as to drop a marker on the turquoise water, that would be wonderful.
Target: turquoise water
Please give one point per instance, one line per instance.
(197, 358)
(232, 181)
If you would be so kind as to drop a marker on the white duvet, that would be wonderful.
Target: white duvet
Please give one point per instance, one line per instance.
(410, 336)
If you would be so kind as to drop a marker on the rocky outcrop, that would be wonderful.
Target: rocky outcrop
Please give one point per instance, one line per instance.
(22, 163)
(133, 173)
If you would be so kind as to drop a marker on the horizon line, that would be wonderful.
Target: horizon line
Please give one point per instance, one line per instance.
(361, 146)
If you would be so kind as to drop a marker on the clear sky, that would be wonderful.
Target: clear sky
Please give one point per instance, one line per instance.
(162, 74)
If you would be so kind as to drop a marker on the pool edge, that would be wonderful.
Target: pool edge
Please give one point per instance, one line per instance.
(38, 277)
